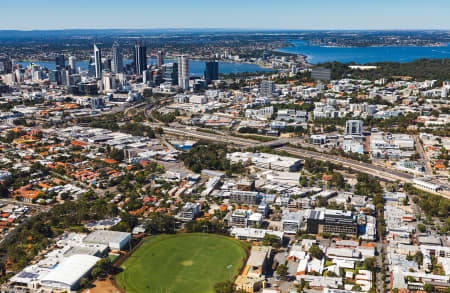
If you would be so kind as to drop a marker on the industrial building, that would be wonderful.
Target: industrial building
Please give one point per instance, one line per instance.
(266, 161)
(113, 239)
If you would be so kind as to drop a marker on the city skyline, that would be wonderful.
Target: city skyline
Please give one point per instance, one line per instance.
(285, 14)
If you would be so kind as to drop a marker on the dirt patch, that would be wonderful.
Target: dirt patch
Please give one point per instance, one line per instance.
(187, 263)
(105, 286)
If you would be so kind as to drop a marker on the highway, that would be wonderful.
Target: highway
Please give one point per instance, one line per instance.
(376, 171)
(381, 172)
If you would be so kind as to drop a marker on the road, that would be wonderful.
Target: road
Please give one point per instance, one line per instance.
(381, 172)
(21, 203)
(377, 171)
(423, 156)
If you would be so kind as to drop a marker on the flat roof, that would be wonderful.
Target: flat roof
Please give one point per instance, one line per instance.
(105, 237)
(70, 271)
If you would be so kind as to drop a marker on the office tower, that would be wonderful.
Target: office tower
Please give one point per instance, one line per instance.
(140, 58)
(117, 60)
(65, 77)
(36, 73)
(354, 127)
(183, 72)
(98, 62)
(91, 70)
(106, 64)
(160, 59)
(267, 88)
(109, 82)
(55, 76)
(211, 71)
(73, 64)
(171, 73)
(147, 76)
(60, 62)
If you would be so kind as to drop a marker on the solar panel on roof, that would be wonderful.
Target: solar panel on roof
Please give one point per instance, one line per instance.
(27, 275)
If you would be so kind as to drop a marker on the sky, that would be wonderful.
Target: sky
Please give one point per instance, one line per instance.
(244, 14)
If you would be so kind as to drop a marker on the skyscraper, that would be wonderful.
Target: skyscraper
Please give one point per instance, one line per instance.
(183, 72)
(98, 62)
(60, 62)
(107, 64)
(73, 64)
(160, 59)
(171, 73)
(117, 61)
(140, 58)
(211, 71)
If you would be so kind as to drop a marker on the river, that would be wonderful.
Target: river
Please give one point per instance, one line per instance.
(196, 67)
(362, 55)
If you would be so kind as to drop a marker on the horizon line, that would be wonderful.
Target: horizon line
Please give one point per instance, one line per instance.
(227, 29)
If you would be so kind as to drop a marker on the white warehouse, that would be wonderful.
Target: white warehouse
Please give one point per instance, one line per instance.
(67, 275)
(266, 161)
(113, 239)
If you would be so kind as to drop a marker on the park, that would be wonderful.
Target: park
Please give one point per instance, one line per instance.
(182, 263)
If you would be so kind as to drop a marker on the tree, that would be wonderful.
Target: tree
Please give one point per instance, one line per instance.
(282, 271)
(338, 179)
(226, 287)
(84, 283)
(303, 182)
(418, 257)
(316, 252)
(370, 262)
(421, 227)
(271, 240)
(428, 288)
(96, 271)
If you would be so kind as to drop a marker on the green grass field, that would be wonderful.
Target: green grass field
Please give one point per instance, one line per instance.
(188, 263)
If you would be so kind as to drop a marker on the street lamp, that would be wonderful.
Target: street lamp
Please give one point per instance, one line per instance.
(229, 270)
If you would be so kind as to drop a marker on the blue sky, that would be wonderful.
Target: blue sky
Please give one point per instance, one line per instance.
(252, 14)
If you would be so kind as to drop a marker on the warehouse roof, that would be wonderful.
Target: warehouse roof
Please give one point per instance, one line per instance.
(70, 271)
(105, 237)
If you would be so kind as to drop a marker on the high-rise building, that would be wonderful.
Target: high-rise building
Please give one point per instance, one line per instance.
(354, 127)
(6, 65)
(267, 88)
(183, 72)
(107, 64)
(211, 71)
(160, 59)
(60, 62)
(171, 73)
(117, 60)
(55, 76)
(98, 62)
(140, 58)
(73, 64)
(147, 76)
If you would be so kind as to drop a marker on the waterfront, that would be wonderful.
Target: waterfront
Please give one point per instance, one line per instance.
(362, 55)
(196, 67)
